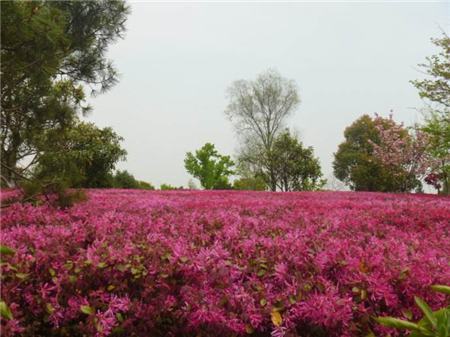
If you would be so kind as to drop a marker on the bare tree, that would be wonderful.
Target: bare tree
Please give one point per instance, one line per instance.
(259, 110)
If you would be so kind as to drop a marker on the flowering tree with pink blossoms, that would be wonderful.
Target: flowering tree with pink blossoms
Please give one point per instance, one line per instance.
(404, 149)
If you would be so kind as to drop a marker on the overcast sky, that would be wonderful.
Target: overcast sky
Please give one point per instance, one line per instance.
(177, 60)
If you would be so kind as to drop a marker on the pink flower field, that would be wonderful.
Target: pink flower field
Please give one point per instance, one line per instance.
(225, 263)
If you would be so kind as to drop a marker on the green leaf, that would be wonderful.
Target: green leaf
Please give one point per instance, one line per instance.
(263, 302)
(21, 276)
(121, 267)
(426, 311)
(119, 317)
(441, 288)
(261, 273)
(408, 314)
(292, 299)
(68, 265)
(397, 323)
(370, 334)
(5, 312)
(443, 319)
(102, 265)
(50, 309)
(5, 250)
(86, 309)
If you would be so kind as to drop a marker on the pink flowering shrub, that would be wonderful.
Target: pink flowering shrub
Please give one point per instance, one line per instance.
(406, 151)
(223, 263)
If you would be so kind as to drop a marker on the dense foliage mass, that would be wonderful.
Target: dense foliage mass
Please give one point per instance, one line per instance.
(52, 52)
(435, 89)
(209, 167)
(356, 164)
(146, 263)
(296, 168)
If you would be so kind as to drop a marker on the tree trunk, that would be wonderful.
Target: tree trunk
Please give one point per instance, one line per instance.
(9, 163)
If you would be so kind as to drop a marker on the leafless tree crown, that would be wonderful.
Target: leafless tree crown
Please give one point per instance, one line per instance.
(259, 108)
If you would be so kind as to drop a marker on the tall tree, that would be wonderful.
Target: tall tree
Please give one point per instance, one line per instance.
(259, 110)
(210, 167)
(296, 168)
(355, 164)
(437, 127)
(51, 51)
(435, 89)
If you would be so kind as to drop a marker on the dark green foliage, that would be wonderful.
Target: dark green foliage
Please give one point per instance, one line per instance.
(50, 49)
(82, 156)
(168, 187)
(250, 184)
(296, 168)
(208, 166)
(355, 165)
(143, 185)
(124, 179)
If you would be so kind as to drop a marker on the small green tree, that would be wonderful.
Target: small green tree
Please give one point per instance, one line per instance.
(296, 168)
(209, 167)
(82, 156)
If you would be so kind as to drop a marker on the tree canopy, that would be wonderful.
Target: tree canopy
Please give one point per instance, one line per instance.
(296, 168)
(51, 51)
(83, 155)
(210, 167)
(124, 179)
(435, 89)
(250, 184)
(355, 164)
(259, 110)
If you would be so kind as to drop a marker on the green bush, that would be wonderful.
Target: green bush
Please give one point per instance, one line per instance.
(250, 184)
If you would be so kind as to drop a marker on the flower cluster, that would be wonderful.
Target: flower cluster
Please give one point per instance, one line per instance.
(223, 263)
(404, 148)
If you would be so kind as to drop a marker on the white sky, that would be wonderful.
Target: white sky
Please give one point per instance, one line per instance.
(177, 59)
